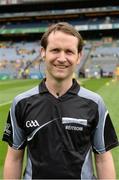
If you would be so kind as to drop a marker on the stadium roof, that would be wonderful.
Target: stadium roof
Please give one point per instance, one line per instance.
(29, 6)
(25, 1)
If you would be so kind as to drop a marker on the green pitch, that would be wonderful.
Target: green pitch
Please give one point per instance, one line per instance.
(8, 90)
(107, 88)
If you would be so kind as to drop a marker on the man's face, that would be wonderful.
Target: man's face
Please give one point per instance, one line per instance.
(61, 55)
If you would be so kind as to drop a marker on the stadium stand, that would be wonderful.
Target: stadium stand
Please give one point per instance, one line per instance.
(16, 56)
(22, 23)
(103, 57)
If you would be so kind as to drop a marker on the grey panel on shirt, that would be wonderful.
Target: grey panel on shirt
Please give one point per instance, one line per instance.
(87, 168)
(18, 133)
(98, 142)
(28, 170)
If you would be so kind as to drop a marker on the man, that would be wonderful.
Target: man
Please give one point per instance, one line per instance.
(60, 122)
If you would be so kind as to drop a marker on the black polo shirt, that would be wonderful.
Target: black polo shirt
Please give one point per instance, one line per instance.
(60, 133)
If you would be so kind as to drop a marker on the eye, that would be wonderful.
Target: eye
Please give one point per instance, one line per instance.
(68, 51)
(56, 50)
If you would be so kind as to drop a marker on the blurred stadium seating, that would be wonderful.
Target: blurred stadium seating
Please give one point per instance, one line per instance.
(103, 57)
(22, 23)
(17, 56)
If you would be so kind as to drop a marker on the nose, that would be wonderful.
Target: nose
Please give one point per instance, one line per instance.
(62, 57)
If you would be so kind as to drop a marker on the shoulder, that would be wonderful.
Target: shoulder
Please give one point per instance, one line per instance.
(26, 94)
(88, 94)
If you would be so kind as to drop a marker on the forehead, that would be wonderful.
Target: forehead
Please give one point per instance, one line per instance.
(58, 37)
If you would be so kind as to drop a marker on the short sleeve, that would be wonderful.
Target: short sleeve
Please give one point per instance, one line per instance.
(105, 137)
(13, 133)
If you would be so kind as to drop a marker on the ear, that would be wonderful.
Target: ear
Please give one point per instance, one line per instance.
(80, 54)
(42, 52)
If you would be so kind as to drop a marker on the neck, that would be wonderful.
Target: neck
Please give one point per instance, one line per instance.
(58, 88)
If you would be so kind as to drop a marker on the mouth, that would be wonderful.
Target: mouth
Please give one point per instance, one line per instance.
(61, 66)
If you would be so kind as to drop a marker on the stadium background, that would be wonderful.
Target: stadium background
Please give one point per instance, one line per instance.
(22, 23)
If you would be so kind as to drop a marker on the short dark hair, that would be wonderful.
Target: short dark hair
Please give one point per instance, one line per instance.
(63, 27)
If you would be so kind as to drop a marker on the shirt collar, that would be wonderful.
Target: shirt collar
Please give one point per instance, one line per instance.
(73, 90)
(42, 87)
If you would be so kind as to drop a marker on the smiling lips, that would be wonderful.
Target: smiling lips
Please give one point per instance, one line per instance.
(61, 66)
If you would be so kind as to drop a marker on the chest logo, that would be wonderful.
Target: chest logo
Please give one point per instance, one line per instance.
(32, 123)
